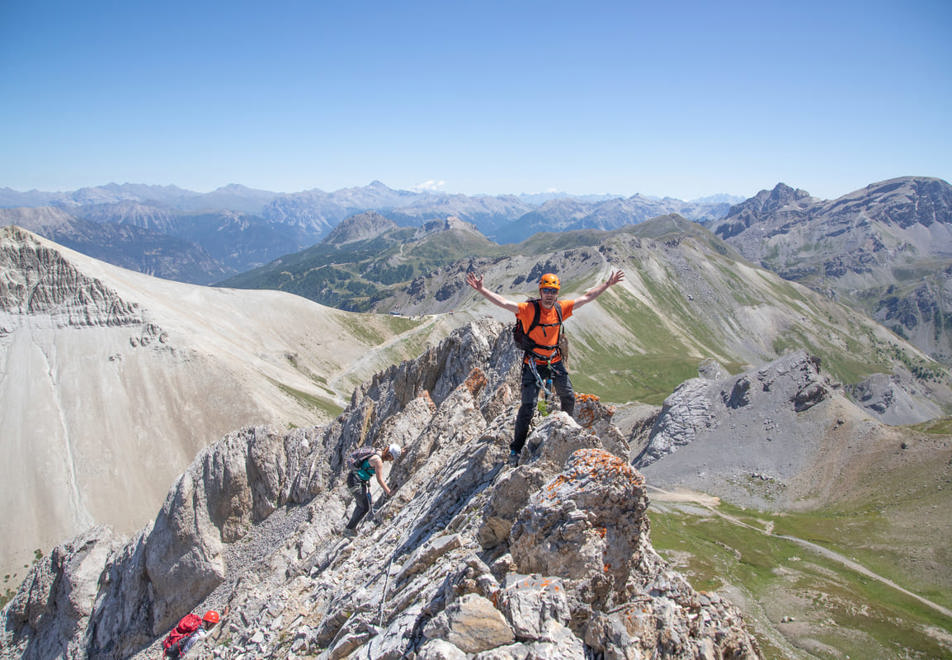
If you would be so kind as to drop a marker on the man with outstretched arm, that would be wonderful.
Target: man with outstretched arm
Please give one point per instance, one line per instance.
(544, 362)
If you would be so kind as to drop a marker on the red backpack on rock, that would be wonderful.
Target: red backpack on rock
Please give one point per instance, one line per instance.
(189, 624)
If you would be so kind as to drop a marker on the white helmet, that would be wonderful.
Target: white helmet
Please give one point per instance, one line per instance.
(394, 451)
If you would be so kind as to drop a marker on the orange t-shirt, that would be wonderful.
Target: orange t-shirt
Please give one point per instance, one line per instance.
(547, 336)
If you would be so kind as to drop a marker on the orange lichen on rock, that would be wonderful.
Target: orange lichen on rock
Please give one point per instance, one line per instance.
(601, 464)
(537, 583)
(476, 381)
(589, 409)
(589, 467)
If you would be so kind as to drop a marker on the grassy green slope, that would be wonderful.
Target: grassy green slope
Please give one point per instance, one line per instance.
(799, 602)
(880, 583)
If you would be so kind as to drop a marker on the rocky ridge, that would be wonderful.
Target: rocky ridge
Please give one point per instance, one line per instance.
(358, 228)
(471, 558)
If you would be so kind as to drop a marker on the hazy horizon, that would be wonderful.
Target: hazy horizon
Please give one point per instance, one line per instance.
(536, 193)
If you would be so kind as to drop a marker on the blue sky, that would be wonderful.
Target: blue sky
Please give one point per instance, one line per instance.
(686, 99)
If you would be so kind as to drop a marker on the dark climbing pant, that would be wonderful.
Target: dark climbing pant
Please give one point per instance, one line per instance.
(530, 394)
(361, 492)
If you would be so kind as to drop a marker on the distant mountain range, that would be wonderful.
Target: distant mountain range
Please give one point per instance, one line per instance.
(885, 249)
(234, 229)
(232, 197)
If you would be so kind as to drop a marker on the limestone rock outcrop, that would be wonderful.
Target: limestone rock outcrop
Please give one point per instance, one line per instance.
(776, 437)
(53, 606)
(470, 558)
(703, 407)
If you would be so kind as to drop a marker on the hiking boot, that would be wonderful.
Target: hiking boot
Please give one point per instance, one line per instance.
(349, 533)
(513, 457)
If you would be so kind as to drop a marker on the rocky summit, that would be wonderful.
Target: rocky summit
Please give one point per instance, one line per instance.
(472, 557)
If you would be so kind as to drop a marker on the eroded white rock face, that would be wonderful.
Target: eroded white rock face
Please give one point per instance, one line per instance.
(471, 557)
(36, 279)
(112, 382)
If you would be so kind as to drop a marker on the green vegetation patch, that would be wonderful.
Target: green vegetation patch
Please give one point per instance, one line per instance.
(616, 372)
(307, 400)
(846, 366)
(799, 595)
(400, 324)
(449, 246)
(364, 328)
(410, 347)
(736, 284)
(647, 378)
(546, 242)
(641, 320)
(940, 426)
(8, 593)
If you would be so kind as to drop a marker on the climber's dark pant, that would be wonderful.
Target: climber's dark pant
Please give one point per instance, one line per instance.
(530, 394)
(362, 502)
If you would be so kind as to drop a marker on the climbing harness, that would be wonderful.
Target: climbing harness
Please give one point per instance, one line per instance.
(545, 387)
(532, 358)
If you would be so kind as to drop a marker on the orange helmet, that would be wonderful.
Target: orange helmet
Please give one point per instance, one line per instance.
(549, 281)
(211, 616)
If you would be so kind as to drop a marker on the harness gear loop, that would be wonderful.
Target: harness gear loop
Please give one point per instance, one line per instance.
(544, 386)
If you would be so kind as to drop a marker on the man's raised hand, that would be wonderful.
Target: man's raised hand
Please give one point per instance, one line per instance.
(474, 280)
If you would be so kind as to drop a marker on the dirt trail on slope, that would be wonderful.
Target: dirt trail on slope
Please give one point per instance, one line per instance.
(710, 502)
